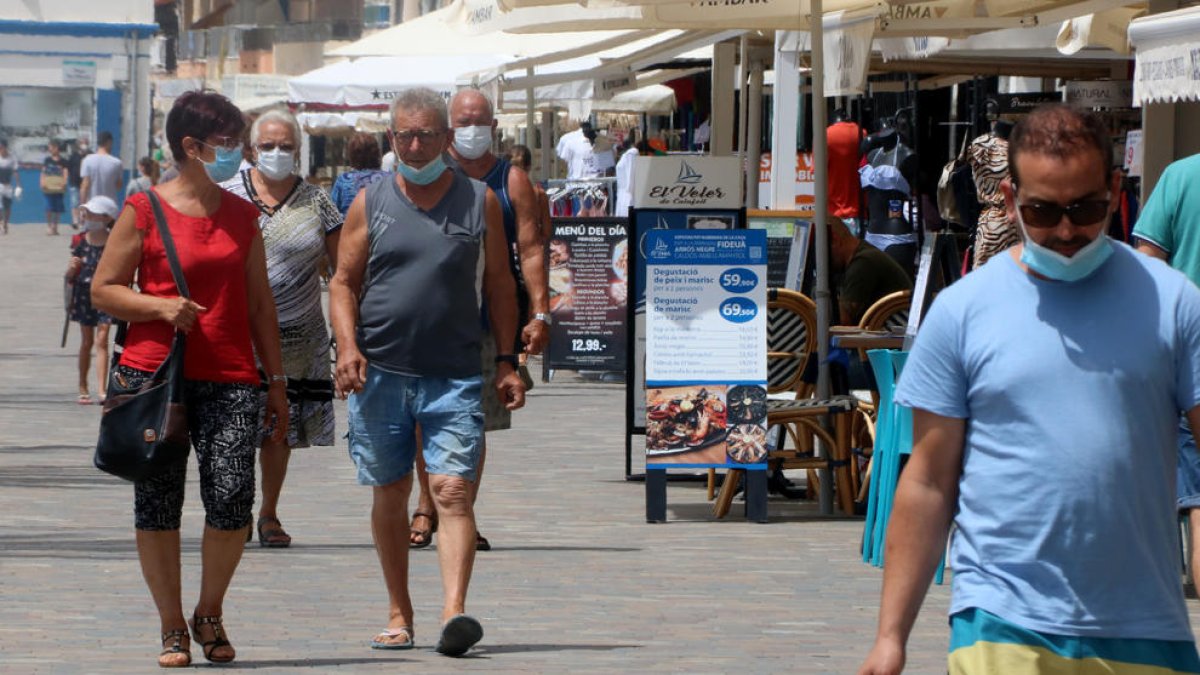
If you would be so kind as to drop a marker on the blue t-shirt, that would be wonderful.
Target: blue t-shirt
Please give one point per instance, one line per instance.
(1066, 519)
(1171, 217)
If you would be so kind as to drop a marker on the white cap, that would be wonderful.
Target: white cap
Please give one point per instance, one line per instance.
(102, 206)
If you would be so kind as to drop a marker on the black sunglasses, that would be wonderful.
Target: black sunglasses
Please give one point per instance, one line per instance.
(269, 147)
(1083, 213)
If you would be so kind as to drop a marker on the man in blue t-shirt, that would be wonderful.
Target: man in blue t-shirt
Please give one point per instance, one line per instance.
(1046, 388)
(1169, 229)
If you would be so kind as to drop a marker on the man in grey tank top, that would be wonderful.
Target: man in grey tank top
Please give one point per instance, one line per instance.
(416, 257)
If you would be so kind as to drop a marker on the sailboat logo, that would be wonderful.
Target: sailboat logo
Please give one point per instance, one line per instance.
(661, 250)
(687, 174)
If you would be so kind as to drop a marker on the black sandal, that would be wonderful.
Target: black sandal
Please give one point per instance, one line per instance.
(176, 638)
(424, 537)
(273, 535)
(481, 542)
(218, 640)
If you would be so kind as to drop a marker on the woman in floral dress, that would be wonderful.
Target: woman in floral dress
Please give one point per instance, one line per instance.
(300, 227)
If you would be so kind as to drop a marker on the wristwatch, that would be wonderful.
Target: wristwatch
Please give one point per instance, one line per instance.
(277, 378)
(510, 359)
(544, 318)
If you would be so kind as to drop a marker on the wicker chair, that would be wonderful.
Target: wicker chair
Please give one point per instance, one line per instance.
(791, 338)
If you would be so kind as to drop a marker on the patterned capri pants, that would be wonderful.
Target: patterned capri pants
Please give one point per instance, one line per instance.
(223, 419)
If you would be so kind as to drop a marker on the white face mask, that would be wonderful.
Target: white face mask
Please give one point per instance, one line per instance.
(276, 164)
(473, 142)
(90, 225)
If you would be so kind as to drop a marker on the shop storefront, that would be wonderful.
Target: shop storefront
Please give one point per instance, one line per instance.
(68, 79)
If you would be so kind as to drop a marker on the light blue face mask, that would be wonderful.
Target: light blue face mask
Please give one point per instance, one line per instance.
(424, 175)
(226, 164)
(1056, 266)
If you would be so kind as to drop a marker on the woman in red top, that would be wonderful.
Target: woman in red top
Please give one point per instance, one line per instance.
(229, 318)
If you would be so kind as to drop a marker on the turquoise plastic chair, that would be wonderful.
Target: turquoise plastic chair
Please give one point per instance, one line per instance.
(883, 453)
(894, 427)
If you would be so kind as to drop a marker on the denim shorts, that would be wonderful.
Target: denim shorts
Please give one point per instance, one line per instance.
(1187, 475)
(384, 416)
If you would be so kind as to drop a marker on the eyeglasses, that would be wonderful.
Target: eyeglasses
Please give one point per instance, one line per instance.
(224, 143)
(423, 136)
(270, 147)
(1048, 214)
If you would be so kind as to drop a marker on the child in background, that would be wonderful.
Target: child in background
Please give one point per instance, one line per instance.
(99, 214)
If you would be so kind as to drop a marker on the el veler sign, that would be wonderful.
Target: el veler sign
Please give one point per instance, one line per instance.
(687, 182)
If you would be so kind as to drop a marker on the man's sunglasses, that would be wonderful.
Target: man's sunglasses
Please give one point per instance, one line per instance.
(1044, 215)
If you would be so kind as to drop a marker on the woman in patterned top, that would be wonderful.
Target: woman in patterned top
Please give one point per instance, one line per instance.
(300, 227)
(99, 214)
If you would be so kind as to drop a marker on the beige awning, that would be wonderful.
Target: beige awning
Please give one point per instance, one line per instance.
(950, 18)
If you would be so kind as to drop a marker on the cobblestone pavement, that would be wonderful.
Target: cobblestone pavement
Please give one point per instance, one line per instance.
(577, 580)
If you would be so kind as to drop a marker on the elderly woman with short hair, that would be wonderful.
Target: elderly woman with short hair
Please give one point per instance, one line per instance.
(300, 228)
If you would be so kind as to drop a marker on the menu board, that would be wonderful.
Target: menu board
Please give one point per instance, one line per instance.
(787, 245)
(706, 347)
(589, 263)
(645, 221)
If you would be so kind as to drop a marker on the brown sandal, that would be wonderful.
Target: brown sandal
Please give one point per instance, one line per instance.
(176, 638)
(214, 644)
(419, 538)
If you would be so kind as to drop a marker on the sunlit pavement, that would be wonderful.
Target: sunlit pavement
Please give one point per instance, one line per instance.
(577, 581)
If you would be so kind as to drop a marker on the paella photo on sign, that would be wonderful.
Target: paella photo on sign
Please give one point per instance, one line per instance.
(747, 443)
(747, 404)
(684, 419)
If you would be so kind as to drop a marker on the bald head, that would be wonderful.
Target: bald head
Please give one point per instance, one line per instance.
(471, 108)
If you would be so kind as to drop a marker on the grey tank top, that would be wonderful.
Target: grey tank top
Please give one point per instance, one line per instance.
(419, 311)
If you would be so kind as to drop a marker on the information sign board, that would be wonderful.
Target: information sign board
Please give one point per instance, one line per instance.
(706, 342)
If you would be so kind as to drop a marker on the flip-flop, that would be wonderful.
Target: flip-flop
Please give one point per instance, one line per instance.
(84, 399)
(386, 643)
(459, 634)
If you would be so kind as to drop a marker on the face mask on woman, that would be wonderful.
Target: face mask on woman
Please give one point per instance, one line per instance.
(276, 164)
(226, 164)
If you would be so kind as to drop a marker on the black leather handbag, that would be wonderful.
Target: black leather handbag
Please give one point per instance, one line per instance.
(143, 429)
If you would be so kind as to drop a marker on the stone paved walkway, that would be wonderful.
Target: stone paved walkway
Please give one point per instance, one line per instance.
(577, 581)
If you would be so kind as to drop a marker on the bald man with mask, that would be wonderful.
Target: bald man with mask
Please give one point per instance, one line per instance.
(474, 124)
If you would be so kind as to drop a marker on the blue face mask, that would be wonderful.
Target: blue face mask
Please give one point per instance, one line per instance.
(226, 164)
(424, 175)
(1054, 265)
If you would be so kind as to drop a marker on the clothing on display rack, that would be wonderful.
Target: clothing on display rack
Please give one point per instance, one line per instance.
(988, 158)
(843, 138)
(583, 198)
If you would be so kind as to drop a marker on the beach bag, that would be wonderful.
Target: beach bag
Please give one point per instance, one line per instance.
(143, 429)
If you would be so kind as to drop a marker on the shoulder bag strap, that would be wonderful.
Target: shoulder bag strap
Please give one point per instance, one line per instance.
(164, 233)
(172, 366)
